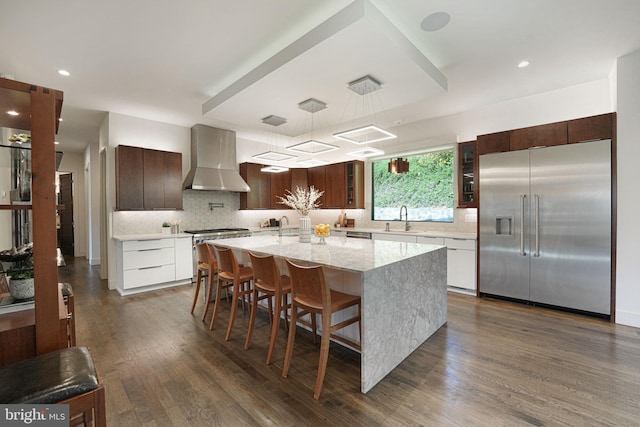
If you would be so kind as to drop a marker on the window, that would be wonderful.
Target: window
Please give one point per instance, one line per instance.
(426, 190)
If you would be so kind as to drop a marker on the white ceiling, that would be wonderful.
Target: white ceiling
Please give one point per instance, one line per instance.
(169, 61)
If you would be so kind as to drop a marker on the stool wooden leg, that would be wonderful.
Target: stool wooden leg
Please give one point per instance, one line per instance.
(290, 341)
(237, 293)
(324, 354)
(252, 318)
(275, 324)
(195, 296)
(216, 304)
(208, 297)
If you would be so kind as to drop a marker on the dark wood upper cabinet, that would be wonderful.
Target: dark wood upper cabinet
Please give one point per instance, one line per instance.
(467, 173)
(148, 179)
(299, 178)
(538, 136)
(153, 184)
(129, 178)
(172, 180)
(493, 143)
(342, 183)
(317, 178)
(260, 184)
(335, 195)
(591, 128)
(280, 183)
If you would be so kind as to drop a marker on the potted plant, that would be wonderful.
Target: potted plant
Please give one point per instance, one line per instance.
(21, 284)
(166, 228)
(20, 276)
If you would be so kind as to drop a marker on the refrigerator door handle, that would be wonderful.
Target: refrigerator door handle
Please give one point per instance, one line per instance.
(523, 198)
(537, 224)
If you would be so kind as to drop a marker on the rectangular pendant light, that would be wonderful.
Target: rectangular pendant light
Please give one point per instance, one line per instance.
(364, 134)
(366, 152)
(274, 169)
(273, 156)
(312, 162)
(312, 147)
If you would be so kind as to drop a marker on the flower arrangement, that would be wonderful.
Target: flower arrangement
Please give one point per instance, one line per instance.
(302, 200)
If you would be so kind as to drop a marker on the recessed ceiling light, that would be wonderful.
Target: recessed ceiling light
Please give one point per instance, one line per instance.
(56, 142)
(13, 113)
(60, 119)
(523, 64)
(435, 21)
(64, 73)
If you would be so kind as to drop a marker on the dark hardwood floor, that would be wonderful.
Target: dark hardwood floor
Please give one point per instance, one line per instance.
(493, 363)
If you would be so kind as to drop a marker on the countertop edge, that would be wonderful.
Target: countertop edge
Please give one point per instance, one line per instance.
(128, 237)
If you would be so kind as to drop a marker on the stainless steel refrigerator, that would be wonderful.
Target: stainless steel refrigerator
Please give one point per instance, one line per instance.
(545, 225)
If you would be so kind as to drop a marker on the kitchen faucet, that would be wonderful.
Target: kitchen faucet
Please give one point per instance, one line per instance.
(280, 224)
(407, 227)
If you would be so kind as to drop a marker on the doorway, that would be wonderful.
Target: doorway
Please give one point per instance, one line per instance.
(65, 227)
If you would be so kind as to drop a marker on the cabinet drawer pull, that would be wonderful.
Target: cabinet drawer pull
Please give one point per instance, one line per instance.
(149, 268)
(147, 250)
(452, 249)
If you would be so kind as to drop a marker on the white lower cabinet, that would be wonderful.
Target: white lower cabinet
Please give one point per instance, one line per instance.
(461, 263)
(153, 264)
(431, 240)
(184, 258)
(394, 237)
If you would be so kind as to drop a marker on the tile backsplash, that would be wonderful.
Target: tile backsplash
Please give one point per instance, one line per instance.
(197, 214)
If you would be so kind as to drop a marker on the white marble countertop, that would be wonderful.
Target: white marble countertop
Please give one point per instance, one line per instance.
(128, 237)
(357, 255)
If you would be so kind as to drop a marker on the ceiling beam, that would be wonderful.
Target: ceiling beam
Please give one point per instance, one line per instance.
(351, 14)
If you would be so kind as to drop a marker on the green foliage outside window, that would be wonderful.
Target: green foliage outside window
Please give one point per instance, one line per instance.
(426, 190)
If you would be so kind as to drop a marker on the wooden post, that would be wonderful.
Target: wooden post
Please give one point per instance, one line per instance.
(43, 197)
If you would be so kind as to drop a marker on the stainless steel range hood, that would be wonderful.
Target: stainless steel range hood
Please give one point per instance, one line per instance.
(213, 161)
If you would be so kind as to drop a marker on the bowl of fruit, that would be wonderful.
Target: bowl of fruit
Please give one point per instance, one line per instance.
(322, 231)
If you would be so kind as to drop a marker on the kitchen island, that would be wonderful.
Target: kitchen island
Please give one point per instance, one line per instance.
(402, 285)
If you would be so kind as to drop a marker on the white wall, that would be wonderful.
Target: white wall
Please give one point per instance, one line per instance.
(74, 163)
(92, 194)
(627, 277)
(136, 132)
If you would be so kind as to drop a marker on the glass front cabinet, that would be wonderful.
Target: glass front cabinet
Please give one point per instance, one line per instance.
(467, 174)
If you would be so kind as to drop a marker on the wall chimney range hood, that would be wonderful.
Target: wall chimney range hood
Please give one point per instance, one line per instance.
(213, 161)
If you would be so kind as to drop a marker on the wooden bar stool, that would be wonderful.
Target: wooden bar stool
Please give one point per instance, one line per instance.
(66, 376)
(231, 275)
(310, 292)
(207, 268)
(268, 281)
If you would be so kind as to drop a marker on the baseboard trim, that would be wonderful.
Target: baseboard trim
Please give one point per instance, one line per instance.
(628, 318)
